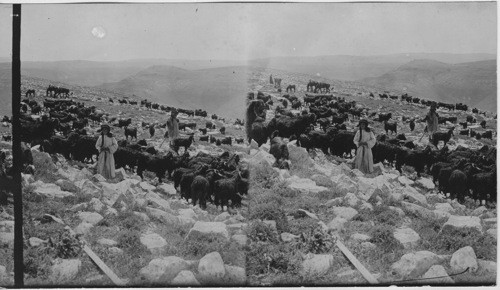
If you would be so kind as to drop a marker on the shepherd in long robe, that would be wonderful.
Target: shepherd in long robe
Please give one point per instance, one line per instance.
(106, 145)
(364, 140)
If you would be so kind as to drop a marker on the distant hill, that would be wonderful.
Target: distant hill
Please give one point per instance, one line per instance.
(472, 83)
(5, 90)
(346, 67)
(218, 90)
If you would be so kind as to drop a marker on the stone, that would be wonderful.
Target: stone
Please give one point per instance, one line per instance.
(304, 213)
(441, 214)
(90, 217)
(209, 228)
(357, 172)
(240, 239)
(399, 211)
(153, 242)
(334, 202)
(35, 242)
(83, 228)
(146, 186)
(288, 237)
(299, 156)
(368, 245)
(157, 201)
(479, 211)
(142, 216)
(222, 217)
(83, 174)
(343, 184)
(163, 269)
(167, 189)
(414, 196)
(254, 145)
(426, 183)
(68, 173)
(446, 207)
(66, 185)
(347, 213)
(161, 215)
(115, 250)
(110, 211)
(96, 205)
(351, 199)
(211, 267)
(321, 180)
(239, 226)
(98, 178)
(487, 266)
(464, 258)
(366, 206)
(417, 210)
(336, 224)
(185, 278)
(107, 242)
(65, 270)
(315, 265)
(50, 190)
(436, 275)
(235, 275)
(405, 180)
(407, 237)
(413, 265)
(87, 187)
(271, 224)
(120, 174)
(27, 179)
(490, 221)
(360, 237)
(305, 185)
(463, 222)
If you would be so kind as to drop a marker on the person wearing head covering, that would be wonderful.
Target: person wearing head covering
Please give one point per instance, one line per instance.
(432, 119)
(172, 126)
(106, 145)
(364, 141)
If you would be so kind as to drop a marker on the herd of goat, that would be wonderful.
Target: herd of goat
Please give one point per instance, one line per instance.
(322, 124)
(61, 127)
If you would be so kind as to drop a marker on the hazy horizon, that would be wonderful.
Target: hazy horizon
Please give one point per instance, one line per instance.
(241, 32)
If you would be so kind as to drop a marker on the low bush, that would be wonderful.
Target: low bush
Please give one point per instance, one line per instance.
(316, 241)
(382, 236)
(198, 245)
(261, 232)
(269, 211)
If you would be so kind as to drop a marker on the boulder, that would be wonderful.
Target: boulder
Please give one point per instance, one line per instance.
(446, 207)
(343, 185)
(167, 189)
(299, 156)
(235, 276)
(83, 228)
(163, 269)
(153, 242)
(83, 174)
(405, 181)
(146, 186)
(142, 216)
(463, 222)
(407, 237)
(464, 258)
(69, 173)
(120, 174)
(185, 278)
(211, 267)
(316, 265)
(27, 179)
(90, 217)
(351, 199)
(436, 275)
(492, 233)
(161, 215)
(413, 265)
(479, 211)
(304, 213)
(360, 237)
(116, 251)
(426, 183)
(254, 145)
(414, 196)
(96, 205)
(50, 190)
(87, 187)
(399, 211)
(347, 213)
(222, 217)
(417, 210)
(35, 242)
(98, 178)
(321, 180)
(65, 270)
(366, 206)
(487, 266)
(209, 228)
(305, 185)
(66, 185)
(441, 214)
(157, 201)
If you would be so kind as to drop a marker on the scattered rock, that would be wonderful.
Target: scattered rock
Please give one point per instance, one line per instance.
(185, 278)
(446, 207)
(351, 199)
(321, 180)
(492, 233)
(407, 237)
(464, 258)
(405, 180)
(304, 184)
(167, 189)
(146, 186)
(399, 211)
(65, 270)
(98, 178)
(304, 213)
(436, 275)
(414, 196)
(120, 174)
(343, 185)
(90, 217)
(107, 242)
(116, 251)
(463, 222)
(487, 266)
(417, 210)
(66, 185)
(35, 242)
(161, 215)
(366, 206)
(360, 237)
(209, 228)
(368, 245)
(211, 267)
(413, 265)
(3, 272)
(316, 265)
(50, 190)
(479, 211)
(426, 183)
(96, 204)
(337, 224)
(153, 242)
(89, 188)
(142, 216)
(288, 237)
(490, 221)
(222, 217)
(347, 213)
(83, 228)
(299, 156)
(163, 269)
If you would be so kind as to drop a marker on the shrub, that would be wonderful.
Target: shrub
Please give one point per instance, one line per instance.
(68, 246)
(270, 211)
(382, 236)
(260, 232)
(198, 245)
(316, 240)
(45, 169)
(129, 241)
(265, 258)
(451, 240)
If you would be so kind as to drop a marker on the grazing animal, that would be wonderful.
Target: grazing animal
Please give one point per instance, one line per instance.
(278, 148)
(483, 124)
(132, 132)
(152, 130)
(441, 136)
(203, 131)
(412, 125)
(255, 109)
(390, 127)
(222, 130)
(182, 142)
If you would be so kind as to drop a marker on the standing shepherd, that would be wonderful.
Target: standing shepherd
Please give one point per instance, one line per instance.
(432, 121)
(172, 126)
(106, 145)
(364, 140)
(271, 79)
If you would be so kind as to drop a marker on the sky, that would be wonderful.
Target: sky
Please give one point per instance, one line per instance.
(243, 31)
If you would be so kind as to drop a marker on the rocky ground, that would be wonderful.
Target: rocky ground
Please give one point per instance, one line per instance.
(396, 225)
